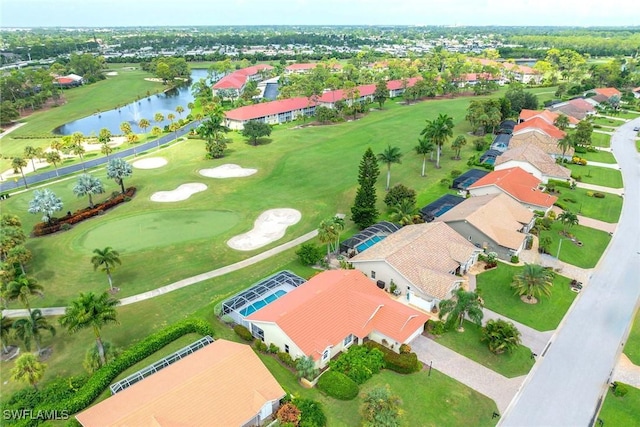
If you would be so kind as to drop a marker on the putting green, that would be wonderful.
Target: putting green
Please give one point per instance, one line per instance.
(157, 229)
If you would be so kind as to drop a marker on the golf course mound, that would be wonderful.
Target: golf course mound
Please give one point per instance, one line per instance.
(269, 227)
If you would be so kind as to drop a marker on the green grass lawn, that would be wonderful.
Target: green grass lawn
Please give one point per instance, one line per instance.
(599, 156)
(586, 256)
(434, 400)
(468, 344)
(597, 175)
(600, 139)
(632, 347)
(495, 286)
(621, 411)
(629, 114)
(577, 201)
(604, 121)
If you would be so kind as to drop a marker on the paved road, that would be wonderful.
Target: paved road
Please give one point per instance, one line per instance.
(566, 386)
(44, 176)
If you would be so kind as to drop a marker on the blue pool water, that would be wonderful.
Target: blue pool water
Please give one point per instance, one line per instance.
(490, 160)
(464, 184)
(248, 310)
(368, 243)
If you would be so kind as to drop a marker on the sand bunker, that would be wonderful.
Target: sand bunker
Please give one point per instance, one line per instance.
(227, 171)
(150, 163)
(179, 194)
(269, 227)
(111, 73)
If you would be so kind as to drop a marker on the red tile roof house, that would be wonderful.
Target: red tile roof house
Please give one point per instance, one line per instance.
(221, 384)
(472, 79)
(424, 261)
(607, 91)
(577, 108)
(523, 73)
(305, 68)
(274, 112)
(330, 312)
(516, 183)
(365, 92)
(235, 82)
(538, 124)
(546, 115)
(534, 160)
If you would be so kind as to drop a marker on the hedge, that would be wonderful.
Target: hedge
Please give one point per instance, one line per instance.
(243, 332)
(311, 413)
(103, 377)
(405, 363)
(338, 385)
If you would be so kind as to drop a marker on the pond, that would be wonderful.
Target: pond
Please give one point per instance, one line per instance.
(147, 108)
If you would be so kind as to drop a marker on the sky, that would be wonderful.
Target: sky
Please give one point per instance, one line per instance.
(125, 13)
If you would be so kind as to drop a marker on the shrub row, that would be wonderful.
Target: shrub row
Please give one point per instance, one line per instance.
(243, 332)
(338, 385)
(101, 379)
(42, 229)
(404, 363)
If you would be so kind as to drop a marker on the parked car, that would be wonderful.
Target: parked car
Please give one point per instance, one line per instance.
(637, 128)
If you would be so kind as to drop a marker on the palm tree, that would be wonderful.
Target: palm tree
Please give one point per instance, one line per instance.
(78, 150)
(562, 122)
(108, 258)
(91, 311)
(6, 328)
(501, 336)
(22, 288)
(31, 153)
(18, 164)
(457, 145)
(190, 106)
(389, 155)
(125, 127)
(568, 219)
(533, 281)
(565, 143)
(179, 110)
(53, 157)
(173, 127)
(339, 225)
(29, 329)
(328, 233)
(424, 147)
(132, 139)
(158, 118)
(56, 145)
(106, 149)
(19, 254)
(144, 124)
(118, 169)
(88, 185)
(439, 131)
(404, 212)
(462, 304)
(104, 136)
(171, 117)
(28, 369)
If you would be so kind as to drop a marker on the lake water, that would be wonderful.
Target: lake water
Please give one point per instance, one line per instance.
(147, 108)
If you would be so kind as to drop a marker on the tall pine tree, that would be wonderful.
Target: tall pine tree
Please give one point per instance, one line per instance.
(364, 212)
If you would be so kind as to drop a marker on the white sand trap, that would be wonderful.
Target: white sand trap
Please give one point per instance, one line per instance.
(150, 163)
(269, 227)
(181, 193)
(227, 171)
(111, 73)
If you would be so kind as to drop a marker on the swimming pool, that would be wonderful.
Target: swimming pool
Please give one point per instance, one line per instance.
(443, 210)
(250, 309)
(368, 243)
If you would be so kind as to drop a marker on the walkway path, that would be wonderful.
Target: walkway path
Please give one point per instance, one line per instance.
(626, 372)
(472, 374)
(57, 311)
(597, 224)
(604, 165)
(11, 129)
(600, 188)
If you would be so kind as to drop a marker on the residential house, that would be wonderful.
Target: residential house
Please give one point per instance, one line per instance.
(70, 80)
(522, 73)
(543, 141)
(235, 82)
(533, 160)
(472, 79)
(540, 125)
(306, 67)
(548, 116)
(578, 108)
(273, 112)
(221, 384)
(332, 311)
(397, 87)
(609, 92)
(424, 261)
(494, 222)
(636, 92)
(364, 93)
(515, 182)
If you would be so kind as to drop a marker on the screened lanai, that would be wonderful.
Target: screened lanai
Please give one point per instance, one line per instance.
(368, 237)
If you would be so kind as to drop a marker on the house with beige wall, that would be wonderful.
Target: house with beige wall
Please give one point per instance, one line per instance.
(533, 160)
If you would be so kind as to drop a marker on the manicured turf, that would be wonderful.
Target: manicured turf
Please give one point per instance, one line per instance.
(498, 295)
(607, 209)
(435, 400)
(605, 121)
(585, 256)
(468, 344)
(600, 139)
(621, 411)
(599, 156)
(632, 347)
(629, 115)
(597, 175)
(153, 229)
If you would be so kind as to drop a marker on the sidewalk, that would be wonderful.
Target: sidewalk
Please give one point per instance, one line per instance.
(468, 372)
(600, 188)
(604, 165)
(57, 311)
(597, 224)
(626, 372)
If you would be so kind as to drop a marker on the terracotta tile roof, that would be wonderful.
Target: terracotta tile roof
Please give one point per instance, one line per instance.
(607, 91)
(64, 80)
(238, 78)
(541, 125)
(365, 90)
(582, 104)
(310, 66)
(546, 143)
(425, 254)
(222, 384)
(398, 84)
(264, 109)
(336, 303)
(496, 215)
(546, 115)
(517, 183)
(536, 157)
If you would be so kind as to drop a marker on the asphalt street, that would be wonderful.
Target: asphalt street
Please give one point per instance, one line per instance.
(567, 385)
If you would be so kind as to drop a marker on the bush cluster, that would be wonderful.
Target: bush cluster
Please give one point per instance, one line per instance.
(42, 228)
(515, 259)
(338, 385)
(598, 195)
(403, 363)
(286, 359)
(359, 363)
(311, 414)
(243, 332)
(620, 389)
